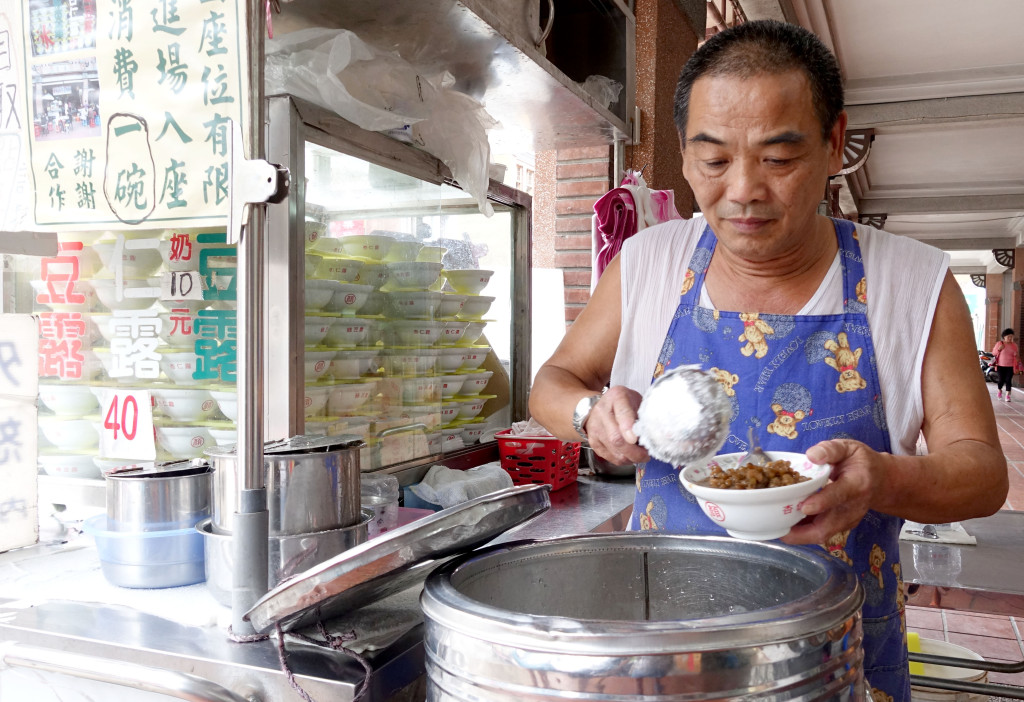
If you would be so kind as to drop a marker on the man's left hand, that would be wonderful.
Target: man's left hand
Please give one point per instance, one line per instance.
(856, 477)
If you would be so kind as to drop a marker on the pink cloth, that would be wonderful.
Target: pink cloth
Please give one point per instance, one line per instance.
(1005, 353)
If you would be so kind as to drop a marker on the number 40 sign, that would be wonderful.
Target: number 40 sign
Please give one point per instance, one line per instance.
(127, 429)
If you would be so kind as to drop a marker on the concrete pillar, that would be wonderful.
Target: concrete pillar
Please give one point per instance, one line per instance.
(993, 309)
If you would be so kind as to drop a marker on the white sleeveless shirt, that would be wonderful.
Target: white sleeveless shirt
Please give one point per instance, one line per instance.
(904, 278)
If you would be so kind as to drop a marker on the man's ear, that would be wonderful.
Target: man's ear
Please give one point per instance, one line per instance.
(836, 142)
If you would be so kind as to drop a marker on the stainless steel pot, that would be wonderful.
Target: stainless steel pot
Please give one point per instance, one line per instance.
(312, 484)
(287, 555)
(607, 468)
(628, 615)
(171, 496)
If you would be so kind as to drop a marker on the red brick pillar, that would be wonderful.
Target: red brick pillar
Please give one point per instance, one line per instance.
(582, 175)
(993, 308)
(1017, 313)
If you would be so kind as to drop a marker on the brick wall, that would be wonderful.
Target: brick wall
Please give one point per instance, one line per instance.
(993, 308)
(582, 175)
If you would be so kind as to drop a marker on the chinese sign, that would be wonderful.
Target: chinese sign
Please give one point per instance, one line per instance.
(19, 385)
(15, 214)
(129, 108)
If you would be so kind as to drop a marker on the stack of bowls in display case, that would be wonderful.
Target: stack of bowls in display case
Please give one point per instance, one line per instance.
(406, 372)
(313, 500)
(113, 302)
(147, 538)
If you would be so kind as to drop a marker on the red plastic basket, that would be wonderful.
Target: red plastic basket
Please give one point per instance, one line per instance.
(538, 460)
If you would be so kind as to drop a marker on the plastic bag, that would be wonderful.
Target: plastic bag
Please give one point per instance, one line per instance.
(380, 91)
(448, 487)
(603, 89)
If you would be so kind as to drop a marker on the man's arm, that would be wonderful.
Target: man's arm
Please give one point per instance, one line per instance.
(964, 474)
(580, 367)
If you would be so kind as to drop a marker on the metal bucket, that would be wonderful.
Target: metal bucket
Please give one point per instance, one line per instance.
(168, 497)
(631, 615)
(312, 484)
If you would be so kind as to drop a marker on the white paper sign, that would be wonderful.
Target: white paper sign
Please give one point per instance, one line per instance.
(127, 426)
(19, 426)
(181, 285)
(15, 199)
(19, 350)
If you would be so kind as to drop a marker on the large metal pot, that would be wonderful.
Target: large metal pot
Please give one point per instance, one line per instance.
(166, 497)
(312, 484)
(629, 615)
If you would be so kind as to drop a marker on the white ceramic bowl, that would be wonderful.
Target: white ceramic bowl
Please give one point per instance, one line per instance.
(450, 411)
(346, 332)
(316, 329)
(399, 362)
(88, 261)
(183, 442)
(412, 275)
(106, 361)
(326, 245)
(348, 397)
(374, 332)
(107, 292)
(471, 433)
(474, 330)
(352, 364)
(374, 274)
(68, 399)
(473, 358)
(315, 402)
(313, 232)
(312, 261)
(135, 263)
(374, 304)
(105, 465)
(372, 246)
(317, 363)
(420, 391)
(227, 401)
(69, 465)
(344, 270)
(475, 383)
(468, 409)
(178, 329)
(475, 307)
(451, 304)
(452, 334)
(184, 404)
(757, 515)
(403, 250)
(349, 299)
(319, 293)
(179, 367)
(451, 385)
(80, 296)
(70, 434)
(468, 281)
(450, 359)
(434, 254)
(224, 437)
(413, 332)
(413, 304)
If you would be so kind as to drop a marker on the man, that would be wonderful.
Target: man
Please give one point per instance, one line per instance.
(831, 338)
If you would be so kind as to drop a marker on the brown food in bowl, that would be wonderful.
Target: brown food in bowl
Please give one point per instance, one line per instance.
(754, 477)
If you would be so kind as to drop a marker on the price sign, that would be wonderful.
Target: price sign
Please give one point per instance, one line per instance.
(127, 427)
(181, 285)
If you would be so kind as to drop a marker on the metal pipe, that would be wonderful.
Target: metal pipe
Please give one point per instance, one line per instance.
(132, 675)
(252, 524)
(989, 689)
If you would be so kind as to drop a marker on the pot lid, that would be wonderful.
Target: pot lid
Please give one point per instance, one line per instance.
(171, 469)
(302, 443)
(396, 560)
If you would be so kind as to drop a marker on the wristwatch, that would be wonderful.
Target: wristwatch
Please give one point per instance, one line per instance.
(582, 412)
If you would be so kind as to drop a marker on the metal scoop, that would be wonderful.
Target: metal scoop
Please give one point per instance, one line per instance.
(754, 453)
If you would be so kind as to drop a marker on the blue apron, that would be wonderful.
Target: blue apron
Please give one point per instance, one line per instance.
(798, 380)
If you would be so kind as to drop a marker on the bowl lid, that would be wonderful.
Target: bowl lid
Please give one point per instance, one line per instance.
(173, 469)
(395, 560)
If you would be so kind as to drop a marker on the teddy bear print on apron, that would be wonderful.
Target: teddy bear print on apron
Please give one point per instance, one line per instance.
(798, 380)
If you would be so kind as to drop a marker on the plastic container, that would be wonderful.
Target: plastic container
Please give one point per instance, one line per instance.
(941, 648)
(539, 460)
(150, 559)
(379, 493)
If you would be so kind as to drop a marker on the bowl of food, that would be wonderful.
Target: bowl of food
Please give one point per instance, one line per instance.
(373, 273)
(452, 333)
(468, 409)
(184, 404)
(313, 231)
(349, 299)
(343, 270)
(451, 385)
(314, 404)
(318, 293)
(346, 332)
(451, 304)
(475, 307)
(449, 412)
(468, 281)
(473, 358)
(413, 304)
(413, 332)
(412, 275)
(372, 246)
(68, 399)
(449, 359)
(316, 329)
(474, 330)
(317, 364)
(347, 397)
(472, 432)
(751, 502)
(475, 383)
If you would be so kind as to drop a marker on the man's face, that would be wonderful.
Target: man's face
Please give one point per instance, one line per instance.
(756, 161)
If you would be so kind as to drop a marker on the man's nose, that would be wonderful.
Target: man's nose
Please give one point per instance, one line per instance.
(746, 181)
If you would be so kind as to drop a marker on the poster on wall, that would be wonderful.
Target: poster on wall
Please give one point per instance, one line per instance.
(15, 213)
(129, 105)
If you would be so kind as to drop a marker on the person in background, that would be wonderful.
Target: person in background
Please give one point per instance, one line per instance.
(829, 337)
(1008, 361)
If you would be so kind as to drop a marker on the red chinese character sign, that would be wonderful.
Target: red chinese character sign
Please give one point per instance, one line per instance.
(128, 108)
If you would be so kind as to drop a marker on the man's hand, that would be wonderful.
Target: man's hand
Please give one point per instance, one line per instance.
(857, 475)
(609, 427)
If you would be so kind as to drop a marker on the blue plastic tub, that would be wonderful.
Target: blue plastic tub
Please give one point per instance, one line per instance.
(148, 559)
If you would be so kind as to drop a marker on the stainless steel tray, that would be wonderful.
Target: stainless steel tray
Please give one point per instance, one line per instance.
(396, 560)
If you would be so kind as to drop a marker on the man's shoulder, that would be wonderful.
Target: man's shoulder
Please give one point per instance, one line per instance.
(674, 231)
(895, 250)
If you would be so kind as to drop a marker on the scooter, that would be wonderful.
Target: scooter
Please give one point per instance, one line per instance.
(988, 365)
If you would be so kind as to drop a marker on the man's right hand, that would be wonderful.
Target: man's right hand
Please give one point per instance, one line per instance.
(609, 427)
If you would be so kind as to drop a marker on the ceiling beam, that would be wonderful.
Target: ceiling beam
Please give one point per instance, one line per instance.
(953, 109)
(966, 244)
(968, 270)
(950, 204)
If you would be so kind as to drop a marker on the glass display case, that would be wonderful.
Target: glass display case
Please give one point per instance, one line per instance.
(408, 307)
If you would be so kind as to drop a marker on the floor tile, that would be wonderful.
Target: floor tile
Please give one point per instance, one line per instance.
(1007, 678)
(988, 646)
(924, 618)
(965, 623)
(934, 634)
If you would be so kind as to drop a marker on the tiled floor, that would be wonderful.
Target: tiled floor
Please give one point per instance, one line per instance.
(994, 637)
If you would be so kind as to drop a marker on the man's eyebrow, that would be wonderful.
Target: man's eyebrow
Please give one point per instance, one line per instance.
(785, 138)
(706, 139)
